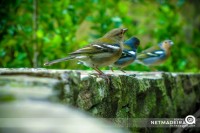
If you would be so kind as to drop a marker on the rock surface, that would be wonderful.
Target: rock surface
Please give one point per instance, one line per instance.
(43, 117)
(119, 95)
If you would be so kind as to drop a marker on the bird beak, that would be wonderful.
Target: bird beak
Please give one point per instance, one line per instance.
(124, 30)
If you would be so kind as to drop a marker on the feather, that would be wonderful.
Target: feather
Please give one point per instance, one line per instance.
(59, 60)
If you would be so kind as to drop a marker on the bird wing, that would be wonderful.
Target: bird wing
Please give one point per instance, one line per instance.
(97, 47)
(150, 52)
(151, 49)
(128, 53)
(154, 51)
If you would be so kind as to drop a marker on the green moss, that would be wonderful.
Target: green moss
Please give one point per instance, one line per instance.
(144, 85)
(92, 92)
(123, 113)
(146, 104)
(6, 97)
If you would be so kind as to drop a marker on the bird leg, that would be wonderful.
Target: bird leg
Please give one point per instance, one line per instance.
(98, 70)
(111, 68)
(152, 68)
(122, 70)
(102, 75)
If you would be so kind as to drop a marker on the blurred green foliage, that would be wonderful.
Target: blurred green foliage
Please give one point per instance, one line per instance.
(62, 26)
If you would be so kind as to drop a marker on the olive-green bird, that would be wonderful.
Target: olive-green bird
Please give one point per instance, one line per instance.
(101, 52)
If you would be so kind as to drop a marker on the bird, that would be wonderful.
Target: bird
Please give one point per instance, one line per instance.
(128, 55)
(99, 53)
(155, 55)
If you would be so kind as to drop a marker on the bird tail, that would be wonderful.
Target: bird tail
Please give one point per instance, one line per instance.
(59, 60)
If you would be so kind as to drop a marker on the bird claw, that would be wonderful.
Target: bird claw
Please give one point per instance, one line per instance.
(111, 68)
(122, 70)
(103, 76)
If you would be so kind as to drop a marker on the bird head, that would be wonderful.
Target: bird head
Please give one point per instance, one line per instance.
(116, 34)
(133, 43)
(166, 44)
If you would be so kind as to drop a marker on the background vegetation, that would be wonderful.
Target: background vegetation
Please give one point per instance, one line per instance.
(33, 31)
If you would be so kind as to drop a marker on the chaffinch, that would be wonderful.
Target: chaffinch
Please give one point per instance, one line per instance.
(128, 55)
(101, 52)
(156, 54)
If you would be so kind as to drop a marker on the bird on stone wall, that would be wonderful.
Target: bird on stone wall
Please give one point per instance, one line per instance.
(101, 52)
(156, 54)
(128, 55)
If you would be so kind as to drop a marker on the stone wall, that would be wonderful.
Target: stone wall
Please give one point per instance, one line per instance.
(118, 95)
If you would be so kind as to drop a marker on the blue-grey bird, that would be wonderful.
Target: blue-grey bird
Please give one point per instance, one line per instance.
(156, 54)
(128, 55)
